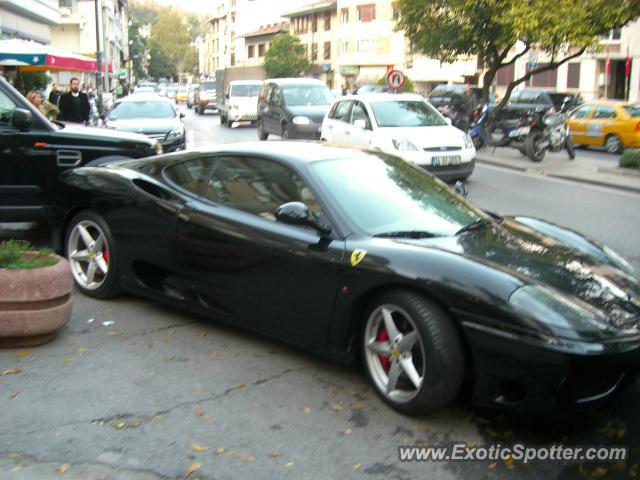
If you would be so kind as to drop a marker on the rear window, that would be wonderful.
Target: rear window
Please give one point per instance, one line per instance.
(208, 86)
(633, 110)
(244, 90)
(447, 91)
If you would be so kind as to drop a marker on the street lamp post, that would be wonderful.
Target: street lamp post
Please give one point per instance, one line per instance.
(98, 60)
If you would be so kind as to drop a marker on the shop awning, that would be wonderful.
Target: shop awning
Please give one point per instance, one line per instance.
(29, 56)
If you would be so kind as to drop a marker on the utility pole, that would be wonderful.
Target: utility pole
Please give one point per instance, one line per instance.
(99, 60)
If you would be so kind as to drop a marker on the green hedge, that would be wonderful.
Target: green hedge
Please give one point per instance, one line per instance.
(630, 159)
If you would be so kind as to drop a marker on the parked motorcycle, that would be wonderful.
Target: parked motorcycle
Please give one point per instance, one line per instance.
(459, 119)
(533, 134)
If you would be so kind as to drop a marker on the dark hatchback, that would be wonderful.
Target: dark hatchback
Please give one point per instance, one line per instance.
(292, 108)
(150, 115)
(340, 252)
(34, 151)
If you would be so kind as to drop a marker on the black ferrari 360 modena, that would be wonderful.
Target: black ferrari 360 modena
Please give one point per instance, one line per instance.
(347, 254)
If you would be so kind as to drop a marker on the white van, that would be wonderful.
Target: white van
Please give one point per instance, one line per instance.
(240, 102)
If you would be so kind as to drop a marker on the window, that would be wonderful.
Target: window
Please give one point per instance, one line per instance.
(250, 51)
(365, 46)
(367, 13)
(276, 96)
(395, 15)
(406, 113)
(544, 79)
(7, 107)
(340, 111)
(613, 35)
(190, 175)
(327, 50)
(604, 111)
(314, 51)
(573, 75)
(314, 22)
(582, 112)
(327, 21)
(344, 15)
(344, 47)
(261, 50)
(232, 61)
(505, 75)
(257, 186)
(358, 112)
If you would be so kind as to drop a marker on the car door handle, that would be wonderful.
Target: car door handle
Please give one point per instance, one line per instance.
(347, 132)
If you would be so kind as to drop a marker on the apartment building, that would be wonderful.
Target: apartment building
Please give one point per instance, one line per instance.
(77, 33)
(28, 19)
(257, 43)
(588, 73)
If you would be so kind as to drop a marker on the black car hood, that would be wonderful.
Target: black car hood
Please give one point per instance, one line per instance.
(521, 251)
(314, 112)
(103, 134)
(145, 126)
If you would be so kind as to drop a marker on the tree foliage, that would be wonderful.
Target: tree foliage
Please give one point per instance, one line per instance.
(407, 87)
(287, 57)
(493, 29)
(170, 43)
(137, 49)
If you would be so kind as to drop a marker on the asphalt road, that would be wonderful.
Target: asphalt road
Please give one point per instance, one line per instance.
(133, 390)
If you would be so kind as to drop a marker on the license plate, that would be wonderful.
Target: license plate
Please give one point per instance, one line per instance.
(518, 132)
(446, 160)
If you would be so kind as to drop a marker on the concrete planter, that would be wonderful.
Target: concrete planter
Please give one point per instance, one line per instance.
(34, 303)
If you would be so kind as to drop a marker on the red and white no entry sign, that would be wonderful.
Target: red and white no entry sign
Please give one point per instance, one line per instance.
(395, 79)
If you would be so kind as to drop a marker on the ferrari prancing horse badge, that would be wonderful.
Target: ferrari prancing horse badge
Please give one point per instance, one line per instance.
(357, 256)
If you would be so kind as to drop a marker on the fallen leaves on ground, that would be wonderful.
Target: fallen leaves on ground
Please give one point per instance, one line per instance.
(357, 466)
(11, 371)
(82, 350)
(204, 334)
(198, 412)
(220, 450)
(358, 405)
(239, 386)
(192, 468)
(275, 454)
(168, 357)
(305, 408)
(336, 407)
(113, 334)
(68, 360)
(14, 394)
(196, 447)
(289, 464)
(333, 391)
(23, 354)
(348, 431)
(63, 468)
(423, 427)
(241, 456)
(214, 355)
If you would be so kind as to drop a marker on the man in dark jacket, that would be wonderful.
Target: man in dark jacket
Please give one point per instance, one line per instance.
(74, 105)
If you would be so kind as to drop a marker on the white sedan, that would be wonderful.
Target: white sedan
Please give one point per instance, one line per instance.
(405, 125)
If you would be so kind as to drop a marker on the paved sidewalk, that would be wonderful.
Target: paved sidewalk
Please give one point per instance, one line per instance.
(589, 166)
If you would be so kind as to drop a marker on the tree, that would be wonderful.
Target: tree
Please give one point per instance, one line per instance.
(502, 31)
(170, 46)
(137, 49)
(407, 87)
(287, 57)
(160, 65)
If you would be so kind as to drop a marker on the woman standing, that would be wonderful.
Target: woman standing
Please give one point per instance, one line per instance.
(48, 109)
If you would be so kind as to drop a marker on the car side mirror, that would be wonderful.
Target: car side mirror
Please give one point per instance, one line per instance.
(360, 123)
(22, 118)
(461, 188)
(297, 213)
(448, 120)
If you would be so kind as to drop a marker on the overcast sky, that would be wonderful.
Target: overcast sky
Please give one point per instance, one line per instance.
(269, 10)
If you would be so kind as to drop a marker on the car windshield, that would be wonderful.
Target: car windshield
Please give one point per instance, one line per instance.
(383, 194)
(129, 110)
(633, 110)
(208, 86)
(406, 113)
(245, 90)
(447, 91)
(297, 95)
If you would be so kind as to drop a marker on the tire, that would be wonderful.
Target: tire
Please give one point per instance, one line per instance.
(613, 144)
(95, 271)
(531, 146)
(228, 123)
(570, 150)
(523, 151)
(435, 352)
(262, 134)
(222, 120)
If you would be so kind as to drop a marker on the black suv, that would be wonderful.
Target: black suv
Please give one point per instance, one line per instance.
(532, 100)
(34, 151)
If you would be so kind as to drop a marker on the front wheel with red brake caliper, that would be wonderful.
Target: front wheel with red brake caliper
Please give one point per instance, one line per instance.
(90, 248)
(412, 352)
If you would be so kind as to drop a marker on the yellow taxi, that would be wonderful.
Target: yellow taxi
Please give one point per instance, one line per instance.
(614, 125)
(181, 94)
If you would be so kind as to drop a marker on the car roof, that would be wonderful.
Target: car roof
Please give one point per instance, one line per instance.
(245, 82)
(613, 103)
(382, 97)
(295, 81)
(143, 97)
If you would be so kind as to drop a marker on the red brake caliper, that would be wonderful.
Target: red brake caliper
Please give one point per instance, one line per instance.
(105, 255)
(383, 336)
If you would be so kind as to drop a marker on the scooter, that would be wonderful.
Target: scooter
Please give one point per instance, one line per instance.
(506, 133)
(548, 132)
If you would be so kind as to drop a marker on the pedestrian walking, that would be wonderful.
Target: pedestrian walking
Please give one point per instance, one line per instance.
(54, 95)
(74, 105)
(48, 109)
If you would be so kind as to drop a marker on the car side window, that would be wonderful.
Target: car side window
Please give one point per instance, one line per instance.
(582, 112)
(276, 97)
(340, 111)
(265, 93)
(604, 111)
(257, 186)
(7, 107)
(359, 113)
(190, 175)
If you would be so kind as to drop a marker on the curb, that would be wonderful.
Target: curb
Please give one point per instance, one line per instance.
(624, 172)
(590, 181)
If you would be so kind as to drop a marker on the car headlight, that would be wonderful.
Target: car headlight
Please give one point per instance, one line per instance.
(565, 316)
(158, 147)
(405, 145)
(468, 142)
(301, 120)
(174, 135)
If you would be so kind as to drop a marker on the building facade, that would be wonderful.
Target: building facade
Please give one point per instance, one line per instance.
(28, 19)
(256, 44)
